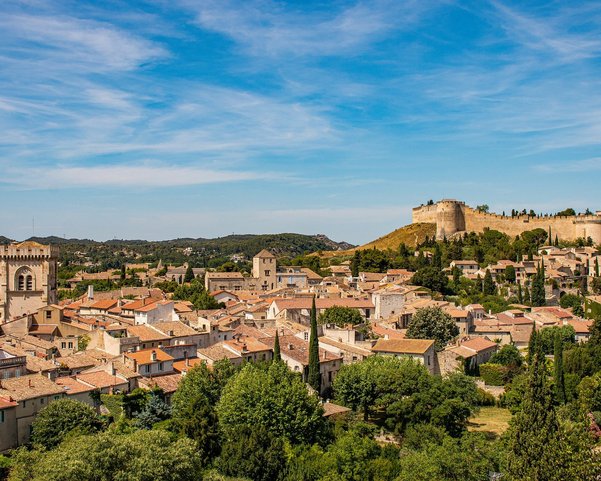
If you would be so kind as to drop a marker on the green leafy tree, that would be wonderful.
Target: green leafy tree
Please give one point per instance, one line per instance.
(314, 374)
(59, 418)
(254, 453)
(432, 278)
(196, 293)
(197, 420)
(510, 274)
(139, 456)
(572, 301)
(508, 355)
(155, 410)
(432, 323)
(341, 316)
(272, 397)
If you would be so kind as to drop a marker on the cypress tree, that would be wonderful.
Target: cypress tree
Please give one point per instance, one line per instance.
(314, 375)
(527, 299)
(532, 444)
(277, 355)
(189, 276)
(437, 257)
(560, 387)
(596, 267)
(532, 344)
(520, 296)
(355, 264)
(488, 288)
(556, 241)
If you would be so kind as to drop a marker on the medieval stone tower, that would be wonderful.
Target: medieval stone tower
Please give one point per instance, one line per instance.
(264, 270)
(27, 278)
(452, 217)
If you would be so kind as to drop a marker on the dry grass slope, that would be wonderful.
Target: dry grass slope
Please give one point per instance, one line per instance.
(411, 235)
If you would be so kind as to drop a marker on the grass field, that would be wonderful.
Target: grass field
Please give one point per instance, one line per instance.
(490, 419)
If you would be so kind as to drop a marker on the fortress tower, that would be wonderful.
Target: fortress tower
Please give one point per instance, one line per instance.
(27, 278)
(452, 217)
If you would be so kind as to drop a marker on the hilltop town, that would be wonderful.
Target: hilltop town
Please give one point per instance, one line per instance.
(468, 302)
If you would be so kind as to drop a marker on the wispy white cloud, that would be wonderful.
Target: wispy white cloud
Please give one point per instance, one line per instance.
(68, 42)
(269, 29)
(136, 176)
(575, 166)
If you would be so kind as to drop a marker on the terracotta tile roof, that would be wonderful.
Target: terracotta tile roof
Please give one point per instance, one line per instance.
(176, 328)
(28, 387)
(246, 344)
(479, 344)
(386, 331)
(43, 329)
(344, 346)
(78, 360)
(132, 306)
(216, 352)
(186, 364)
(331, 409)
(105, 304)
(323, 303)
(168, 382)
(297, 349)
(73, 386)
(145, 356)
(264, 254)
(100, 379)
(5, 403)
(146, 333)
(403, 346)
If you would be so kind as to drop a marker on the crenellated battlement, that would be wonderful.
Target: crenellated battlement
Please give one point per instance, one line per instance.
(453, 216)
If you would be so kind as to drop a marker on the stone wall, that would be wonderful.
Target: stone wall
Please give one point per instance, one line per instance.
(452, 216)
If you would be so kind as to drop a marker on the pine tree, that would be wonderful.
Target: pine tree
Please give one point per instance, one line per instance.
(277, 355)
(314, 375)
(488, 287)
(560, 387)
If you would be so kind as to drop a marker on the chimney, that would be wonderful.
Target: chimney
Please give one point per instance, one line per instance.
(187, 361)
(290, 347)
(30, 383)
(90, 292)
(153, 355)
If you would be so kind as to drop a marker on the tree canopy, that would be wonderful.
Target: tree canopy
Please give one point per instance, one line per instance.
(432, 323)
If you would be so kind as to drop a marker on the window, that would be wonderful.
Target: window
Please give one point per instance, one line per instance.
(42, 400)
(21, 285)
(147, 368)
(48, 314)
(24, 403)
(29, 282)
(70, 345)
(160, 366)
(56, 398)
(267, 273)
(63, 345)
(306, 334)
(1, 416)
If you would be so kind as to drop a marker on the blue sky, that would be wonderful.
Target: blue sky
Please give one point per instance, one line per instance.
(183, 118)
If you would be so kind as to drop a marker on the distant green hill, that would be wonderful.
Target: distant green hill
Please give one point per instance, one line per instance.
(200, 252)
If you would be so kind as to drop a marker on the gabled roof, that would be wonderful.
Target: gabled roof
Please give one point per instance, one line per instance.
(264, 254)
(403, 346)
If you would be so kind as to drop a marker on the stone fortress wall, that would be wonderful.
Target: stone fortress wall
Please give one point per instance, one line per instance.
(452, 217)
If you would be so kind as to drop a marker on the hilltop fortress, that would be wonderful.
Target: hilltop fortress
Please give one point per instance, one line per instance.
(453, 217)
